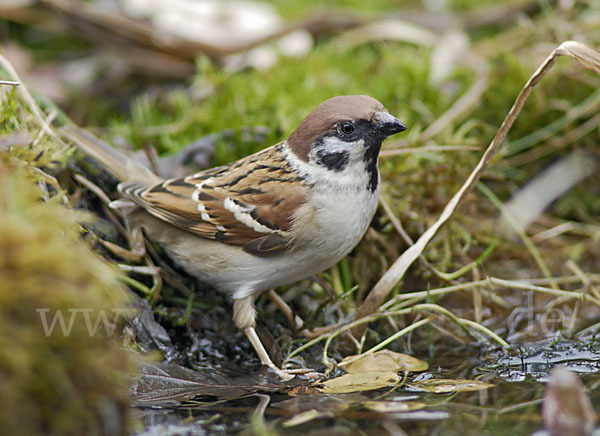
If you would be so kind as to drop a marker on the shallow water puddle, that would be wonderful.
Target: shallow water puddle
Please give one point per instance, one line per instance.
(490, 392)
(535, 361)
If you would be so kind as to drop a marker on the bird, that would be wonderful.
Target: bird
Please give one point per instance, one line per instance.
(272, 218)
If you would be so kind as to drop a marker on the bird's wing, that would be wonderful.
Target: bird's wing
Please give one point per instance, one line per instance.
(250, 203)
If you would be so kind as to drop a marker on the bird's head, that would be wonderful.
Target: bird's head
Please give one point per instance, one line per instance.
(344, 135)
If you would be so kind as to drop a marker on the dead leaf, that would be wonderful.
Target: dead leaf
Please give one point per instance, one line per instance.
(393, 406)
(331, 403)
(301, 390)
(388, 30)
(445, 386)
(422, 415)
(304, 417)
(384, 361)
(358, 382)
(169, 384)
(586, 55)
(150, 335)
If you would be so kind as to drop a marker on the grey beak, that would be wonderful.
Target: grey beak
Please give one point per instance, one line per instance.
(388, 124)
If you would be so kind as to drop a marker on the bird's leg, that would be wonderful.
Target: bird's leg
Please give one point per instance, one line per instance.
(264, 356)
(244, 316)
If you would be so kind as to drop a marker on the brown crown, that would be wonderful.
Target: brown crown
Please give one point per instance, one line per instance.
(324, 117)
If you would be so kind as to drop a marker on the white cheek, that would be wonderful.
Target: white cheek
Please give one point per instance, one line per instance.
(354, 175)
(355, 150)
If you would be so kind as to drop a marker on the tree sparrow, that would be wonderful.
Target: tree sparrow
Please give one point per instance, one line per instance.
(272, 218)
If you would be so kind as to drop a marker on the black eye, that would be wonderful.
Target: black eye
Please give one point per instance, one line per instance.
(346, 128)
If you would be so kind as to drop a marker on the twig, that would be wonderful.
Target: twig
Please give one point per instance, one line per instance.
(382, 344)
(587, 285)
(9, 83)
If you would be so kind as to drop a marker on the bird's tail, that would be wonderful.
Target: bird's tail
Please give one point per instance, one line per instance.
(121, 166)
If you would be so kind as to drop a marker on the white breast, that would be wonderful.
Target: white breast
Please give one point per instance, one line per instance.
(340, 208)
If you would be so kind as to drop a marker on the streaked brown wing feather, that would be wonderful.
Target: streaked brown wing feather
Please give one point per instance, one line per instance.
(258, 188)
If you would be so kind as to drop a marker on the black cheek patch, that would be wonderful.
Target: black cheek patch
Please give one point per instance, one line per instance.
(335, 161)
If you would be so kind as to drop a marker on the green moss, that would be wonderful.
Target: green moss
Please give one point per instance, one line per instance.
(295, 9)
(53, 381)
(279, 98)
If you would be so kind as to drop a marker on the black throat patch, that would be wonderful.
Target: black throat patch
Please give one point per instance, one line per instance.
(373, 145)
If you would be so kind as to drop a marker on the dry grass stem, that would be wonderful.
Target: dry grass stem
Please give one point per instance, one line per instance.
(409, 299)
(35, 109)
(519, 230)
(557, 292)
(138, 269)
(554, 143)
(552, 232)
(587, 286)
(465, 325)
(586, 56)
(485, 331)
(92, 187)
(400, 151)
(380, 345)
(387, 30)
(448, 334)
(587, 107)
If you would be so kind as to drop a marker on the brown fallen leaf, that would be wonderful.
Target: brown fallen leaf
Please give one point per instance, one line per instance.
(336, 403)
(169, 384)
(301, 390)
(393, 406)
(304, 417)
(383, 361)
(444, 386)
(358, 382)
